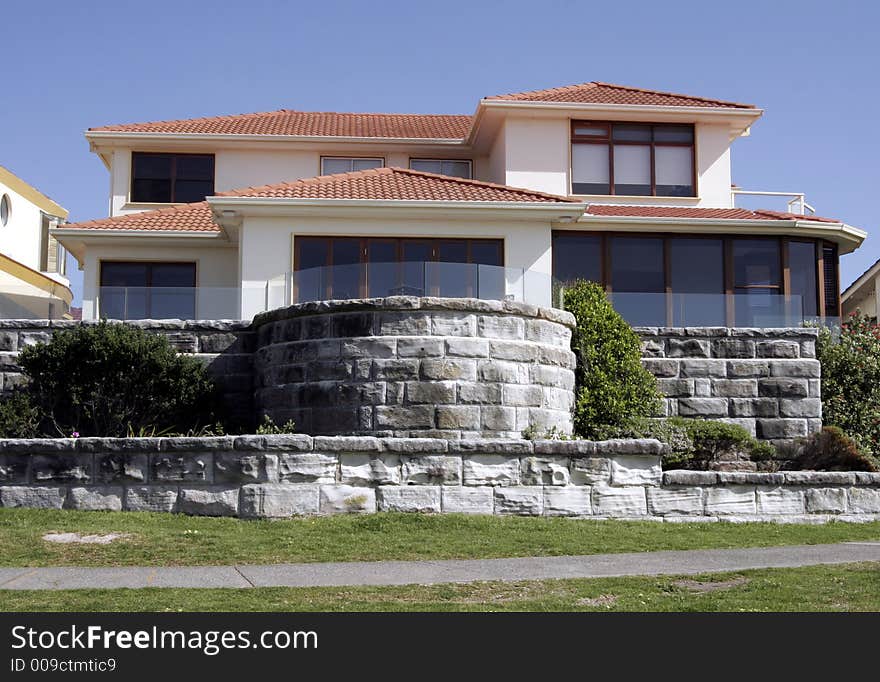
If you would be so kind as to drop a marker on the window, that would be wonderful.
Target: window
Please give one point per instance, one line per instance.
(637, 269)
(351, 267)
(696, 280)
(831, 276)
(577, 256)
(4, 210)
(451, 167)
(330, 165)
(632, 159)
(171, 178)
(802, 268)
(135, 291)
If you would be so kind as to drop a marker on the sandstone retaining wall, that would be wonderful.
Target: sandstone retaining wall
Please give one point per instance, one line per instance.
(289, 475)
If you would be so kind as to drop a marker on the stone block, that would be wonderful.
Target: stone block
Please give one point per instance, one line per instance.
(702, 407)
(278, 500)
(398, 417)
(827, 478)
(487, 469)
(365, 469)
(733, 348)
(551, 471)
(778, 429)
(13, 468)
(153, 498)
(747, 369)
(326, 370)
(636, 470)
(502, 372)
(458, 417)
(497, 418)
(61, 467)
(95, 498)
(613, 501)
(864, 501)
(410, 446)
(211, 501)
(464, 500)
(735, 388)
(778, 348)
(568, 501)
(348, 325)
(450, 324)
(778, 387)
(587, 471)
(730, 501)
(522, 395)
(8, 340)
(676, 388)
(557, 398)
(800, 407)
(346, 499)
(684, 477)
(501, 327)
(244, 467)
(574, 447)
(347, 444)
(802, 368)
(702, 368)
(422, 498)
(543, 331)
(551, 355)
(432, 392)
(395, 369)
(687, 348)
(479, 393)
(653, 348)
(675, 501)
(826, 500)
(662, 368)
(747, 423)
(754, 407)
(167, 467)
(467, 347)
(419, 347)
(431, 470)
(779, 500)
(702, 388)
(519, 501)
(373, 348)
(26, 339)
(517, 351)
(307, 467)
(32, 497)
(448, 369)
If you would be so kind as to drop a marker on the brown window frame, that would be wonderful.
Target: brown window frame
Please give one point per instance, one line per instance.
(332, 157)
(173, 178)
(608, 140)
(469, 162)
(149, 284)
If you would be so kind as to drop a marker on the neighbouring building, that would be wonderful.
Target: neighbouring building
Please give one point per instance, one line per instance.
(33, 281)
(230, 215)
(862, 294)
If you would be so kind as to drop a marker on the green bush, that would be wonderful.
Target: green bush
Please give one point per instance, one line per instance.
(114, 380)
(612, 387)
(19, 417)
(851, 380)
(832, 450)
(268, 427)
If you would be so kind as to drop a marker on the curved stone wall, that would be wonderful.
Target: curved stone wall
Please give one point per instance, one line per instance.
(416, 367)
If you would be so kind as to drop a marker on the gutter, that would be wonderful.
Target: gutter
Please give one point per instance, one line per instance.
(572, 206)
(123, 135)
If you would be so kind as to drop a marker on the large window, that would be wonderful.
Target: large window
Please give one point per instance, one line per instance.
(137, 291)
(171, 178)
(452, 167)
(353, 267)
(629, 159)
(704, 281)
(331, 165)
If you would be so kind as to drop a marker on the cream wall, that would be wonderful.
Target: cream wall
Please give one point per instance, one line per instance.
(267, 247)
(20, 238)
(216, 269)
(865, 299)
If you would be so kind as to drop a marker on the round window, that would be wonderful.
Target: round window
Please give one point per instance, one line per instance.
(4, 210)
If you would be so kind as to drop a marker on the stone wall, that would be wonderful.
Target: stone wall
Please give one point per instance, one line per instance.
(767, 380)
(291, 475)
(404, 366)
(225, 346)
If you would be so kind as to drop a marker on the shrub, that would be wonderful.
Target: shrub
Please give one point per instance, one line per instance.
(851, 380)
(612, 387)
(113, 380)
(269, 428)
(19, 417)
(832, 450)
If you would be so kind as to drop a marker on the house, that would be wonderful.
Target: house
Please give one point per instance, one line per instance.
(861, 295)
(33, 283)
(230, 215)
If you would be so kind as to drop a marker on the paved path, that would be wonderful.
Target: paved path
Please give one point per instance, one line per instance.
(451, 571)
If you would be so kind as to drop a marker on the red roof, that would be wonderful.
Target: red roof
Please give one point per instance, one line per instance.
(195, 217)
(596, 92)
(710, 213)
(398, 184)
(312, 124)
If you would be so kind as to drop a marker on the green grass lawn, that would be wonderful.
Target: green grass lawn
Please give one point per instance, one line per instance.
(170, 539)
(853, 587)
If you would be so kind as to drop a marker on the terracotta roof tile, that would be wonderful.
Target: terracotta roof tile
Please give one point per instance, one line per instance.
(195, 217)
(396, 184)
(596, 92)
(684, 212)
(312, 124)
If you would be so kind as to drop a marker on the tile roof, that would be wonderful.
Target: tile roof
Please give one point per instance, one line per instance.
(195, 217)
(596, 92)
(710, 213)
(397, 184)
(312, 124)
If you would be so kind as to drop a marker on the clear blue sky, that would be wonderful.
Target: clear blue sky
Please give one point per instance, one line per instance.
(812, 66)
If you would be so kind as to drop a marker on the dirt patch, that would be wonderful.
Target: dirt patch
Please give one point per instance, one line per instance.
(713, 586)
(604, 600)
(79, 539)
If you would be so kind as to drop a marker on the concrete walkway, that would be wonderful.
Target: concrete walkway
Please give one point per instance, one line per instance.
(432, 572)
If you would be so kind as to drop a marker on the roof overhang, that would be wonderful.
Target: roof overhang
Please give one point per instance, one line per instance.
(32, 194)
(864, 282)
(40, 281)
(76, 241)
(847, 237)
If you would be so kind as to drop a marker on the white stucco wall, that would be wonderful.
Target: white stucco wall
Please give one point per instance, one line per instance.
(267, 247)
(216, 270)
(864, 299)
(20, 238)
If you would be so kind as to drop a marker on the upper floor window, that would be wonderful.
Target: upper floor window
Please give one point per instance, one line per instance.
(330, 165)
(452, 167)
(171, 178)
(632, 159)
